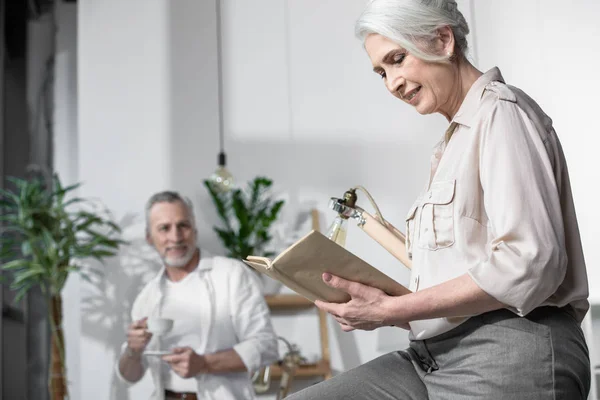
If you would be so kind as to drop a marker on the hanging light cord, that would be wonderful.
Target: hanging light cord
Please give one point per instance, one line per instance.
(379, 216)
(377, 211)
(220, 77)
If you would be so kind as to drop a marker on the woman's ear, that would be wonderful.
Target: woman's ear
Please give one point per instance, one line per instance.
(444, 43)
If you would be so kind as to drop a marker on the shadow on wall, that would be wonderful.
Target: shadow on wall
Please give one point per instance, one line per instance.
(107, 302)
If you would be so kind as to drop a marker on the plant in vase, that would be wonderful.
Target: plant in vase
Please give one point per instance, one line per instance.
(247, 216)
(43, 235)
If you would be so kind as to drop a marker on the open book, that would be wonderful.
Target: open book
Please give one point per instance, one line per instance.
(300, 267)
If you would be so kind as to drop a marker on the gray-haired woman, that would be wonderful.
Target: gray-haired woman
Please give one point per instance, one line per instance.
(499, 280)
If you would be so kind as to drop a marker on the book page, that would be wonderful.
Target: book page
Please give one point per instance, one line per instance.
(263, 260)
(306, 260)
(273, 273)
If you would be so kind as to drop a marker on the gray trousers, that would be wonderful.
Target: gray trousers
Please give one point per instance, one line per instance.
(493, 356)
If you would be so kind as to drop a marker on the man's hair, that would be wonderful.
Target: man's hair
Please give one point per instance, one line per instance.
(168, 197)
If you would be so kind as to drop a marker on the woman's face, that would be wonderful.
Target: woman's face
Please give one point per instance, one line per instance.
(427, 86)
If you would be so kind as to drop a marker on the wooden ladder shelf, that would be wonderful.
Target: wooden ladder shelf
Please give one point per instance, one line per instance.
(287, 302)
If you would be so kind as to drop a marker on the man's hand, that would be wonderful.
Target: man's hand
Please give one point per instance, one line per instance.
(186, 362)
(138, 337)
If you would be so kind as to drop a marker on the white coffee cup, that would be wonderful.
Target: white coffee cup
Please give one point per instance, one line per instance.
(159, 326)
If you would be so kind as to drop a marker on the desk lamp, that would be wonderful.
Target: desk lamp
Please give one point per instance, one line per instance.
(376, 227)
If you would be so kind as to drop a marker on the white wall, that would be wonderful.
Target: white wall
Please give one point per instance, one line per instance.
(302, 107)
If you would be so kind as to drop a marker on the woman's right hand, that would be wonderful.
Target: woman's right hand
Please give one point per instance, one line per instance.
(138, 336)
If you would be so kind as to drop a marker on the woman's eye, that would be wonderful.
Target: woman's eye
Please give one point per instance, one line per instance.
(398, 58)
(382, 74)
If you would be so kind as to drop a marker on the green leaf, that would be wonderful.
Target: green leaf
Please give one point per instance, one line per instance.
(276, 209)
(22, 292)
(62, 191)
(72, 201)
(26, 277)
(7, 203)
(47, 235)
(6, 252)
(102, 253)
(19, 183)
(253, 210)
(221, 201)
(26, 249)
(228, 238)
(11, 218)
(16, 264)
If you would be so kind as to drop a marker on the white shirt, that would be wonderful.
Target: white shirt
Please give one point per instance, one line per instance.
(185, 305)
(498, 206)
(234, 315)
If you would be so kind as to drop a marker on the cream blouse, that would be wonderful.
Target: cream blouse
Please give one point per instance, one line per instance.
(498, 206)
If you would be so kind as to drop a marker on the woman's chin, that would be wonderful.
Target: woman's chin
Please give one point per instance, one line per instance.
(424, 109)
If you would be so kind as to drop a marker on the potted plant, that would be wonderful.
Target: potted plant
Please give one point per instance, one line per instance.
(246, 217)
(43, 235)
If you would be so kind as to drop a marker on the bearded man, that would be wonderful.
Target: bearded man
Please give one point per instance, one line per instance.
(221, 324)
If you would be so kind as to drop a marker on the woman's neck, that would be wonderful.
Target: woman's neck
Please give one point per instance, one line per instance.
(466, 75)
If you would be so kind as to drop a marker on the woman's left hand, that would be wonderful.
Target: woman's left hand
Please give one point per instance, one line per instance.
(369, 308)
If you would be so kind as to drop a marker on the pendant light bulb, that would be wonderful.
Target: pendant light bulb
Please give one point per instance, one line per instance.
(222, 179)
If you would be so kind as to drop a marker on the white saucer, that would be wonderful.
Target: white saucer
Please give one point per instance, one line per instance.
(156, 352)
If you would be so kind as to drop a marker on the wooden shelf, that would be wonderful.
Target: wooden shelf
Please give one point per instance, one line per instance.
(304, 371)
(292, 302)
(287, 302)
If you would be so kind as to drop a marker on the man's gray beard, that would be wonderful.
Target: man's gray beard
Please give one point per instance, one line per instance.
(179, 262)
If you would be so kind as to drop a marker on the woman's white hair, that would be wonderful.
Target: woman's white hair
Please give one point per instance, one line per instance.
(413, 24)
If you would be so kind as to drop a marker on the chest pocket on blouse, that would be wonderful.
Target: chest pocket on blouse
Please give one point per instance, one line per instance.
(436, 230)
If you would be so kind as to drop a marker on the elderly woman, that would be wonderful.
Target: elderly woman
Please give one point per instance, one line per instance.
(498, 275)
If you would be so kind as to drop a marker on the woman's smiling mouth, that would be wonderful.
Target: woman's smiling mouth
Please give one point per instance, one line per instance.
(411, 95)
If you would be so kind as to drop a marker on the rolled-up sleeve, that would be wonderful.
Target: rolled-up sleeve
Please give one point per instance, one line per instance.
(136, 315)
(257, 344)
(527, 259)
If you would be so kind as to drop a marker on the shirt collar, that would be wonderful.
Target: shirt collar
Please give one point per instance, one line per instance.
(204, 264)
(470, 104)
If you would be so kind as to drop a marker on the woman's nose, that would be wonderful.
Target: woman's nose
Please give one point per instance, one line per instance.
(394, 84)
